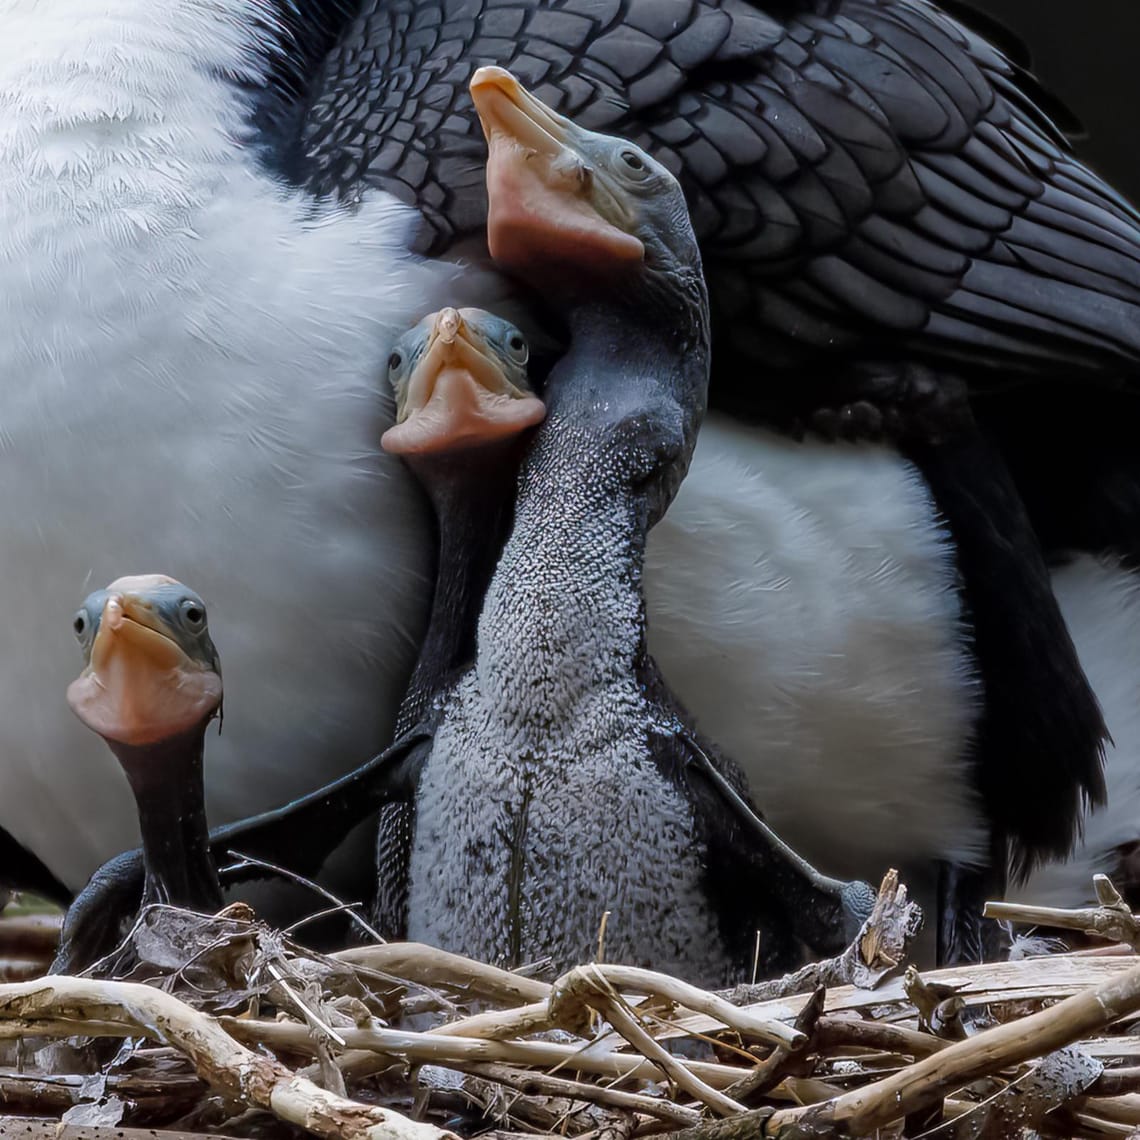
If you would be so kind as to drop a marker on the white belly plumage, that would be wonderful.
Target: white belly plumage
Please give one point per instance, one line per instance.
(803, 607)
(190, 361)
(191, 367)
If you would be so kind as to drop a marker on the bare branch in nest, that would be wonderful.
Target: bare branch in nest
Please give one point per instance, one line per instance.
(617, 1013)
(22, 969)
(782, 1062)
(151, 1096)
(501, 1025)
(1112, 919)
(30, 935)
(878, 951)
(837, 1032)
(1115, 1082)
(437, 1049)
(585, 985)
(539, 1084)
(925, 1082)
(939, 1006)
(426, 964)
(253, 1078)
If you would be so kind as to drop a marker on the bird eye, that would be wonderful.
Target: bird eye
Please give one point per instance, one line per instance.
(394, 361)
(633, 160)
(79, 624)
(193, 614)
(517, 345)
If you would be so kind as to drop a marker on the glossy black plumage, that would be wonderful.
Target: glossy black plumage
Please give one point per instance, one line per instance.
(864, 173)
(873, 185)
(22, 869)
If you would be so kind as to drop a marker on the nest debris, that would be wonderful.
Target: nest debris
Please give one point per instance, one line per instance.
(224, 1026)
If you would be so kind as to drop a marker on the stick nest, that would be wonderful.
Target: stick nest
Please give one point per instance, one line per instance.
(224, 1026)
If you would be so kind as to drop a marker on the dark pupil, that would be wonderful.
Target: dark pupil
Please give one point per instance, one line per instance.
(395, 360)
(194, 614)
(80, 623)
(517, 343)
(633, 160)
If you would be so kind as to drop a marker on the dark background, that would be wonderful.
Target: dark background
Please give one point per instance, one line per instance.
(1088, 53)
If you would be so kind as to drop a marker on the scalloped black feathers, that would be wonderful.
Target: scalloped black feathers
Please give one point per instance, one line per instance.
(863, 174)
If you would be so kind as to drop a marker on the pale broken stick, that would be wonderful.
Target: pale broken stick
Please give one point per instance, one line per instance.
(417, 962)
(541, 1084)
(1112, 919)
(439, 1049)
(560, 1012)
(925, 1082)
(613, 1007)
(583, 983)
(257, 1080)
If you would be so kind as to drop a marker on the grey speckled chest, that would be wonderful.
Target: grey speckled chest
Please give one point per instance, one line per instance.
(542, 805)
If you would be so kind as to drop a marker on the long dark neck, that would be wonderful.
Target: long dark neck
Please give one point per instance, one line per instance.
(632, 343)
(565, 615)
(472, 495)
(166, 778)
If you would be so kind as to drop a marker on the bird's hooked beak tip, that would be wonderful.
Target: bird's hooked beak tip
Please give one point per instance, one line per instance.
(492, 75)
(458, 396)
(507, 109)
(448, 326)
(113, 616)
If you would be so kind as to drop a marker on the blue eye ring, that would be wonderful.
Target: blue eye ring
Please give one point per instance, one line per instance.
(193, 613)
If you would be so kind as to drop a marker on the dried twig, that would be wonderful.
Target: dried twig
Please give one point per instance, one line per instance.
(43, 1092)
(496, 1025)
(253, 1078)
(781, 1061)
(539, 1084)
(352, 910)
(930, 1079)
(438, 1049)
(426, 964)
(619, 1016)
(586, 984)
(1112, 919)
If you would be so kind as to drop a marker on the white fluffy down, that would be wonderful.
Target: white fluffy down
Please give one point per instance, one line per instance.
(803, 607)
(191, 365)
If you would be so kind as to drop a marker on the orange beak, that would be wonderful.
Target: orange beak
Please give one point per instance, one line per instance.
(543, 196)
(458, 397)
(140, 686)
